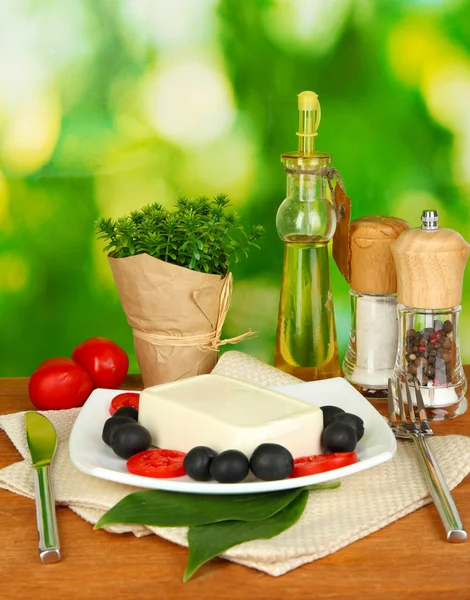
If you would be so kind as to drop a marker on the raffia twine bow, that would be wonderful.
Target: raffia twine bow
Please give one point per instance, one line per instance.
(330, 174)
(204, 341)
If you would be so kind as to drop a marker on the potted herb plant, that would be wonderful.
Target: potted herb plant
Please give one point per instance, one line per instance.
(172, 272)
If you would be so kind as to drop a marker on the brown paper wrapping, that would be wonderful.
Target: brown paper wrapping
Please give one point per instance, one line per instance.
(165, 299)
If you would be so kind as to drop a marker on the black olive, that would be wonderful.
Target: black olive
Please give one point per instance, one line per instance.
(271, 462)
(197, 462)
(127, 411)
(339, 437)
(129, 439)
(111, 424)
(353, 421)
(328, 414)
(230, 466)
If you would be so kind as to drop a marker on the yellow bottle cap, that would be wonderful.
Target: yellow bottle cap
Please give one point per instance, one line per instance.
(308, 101)
(309, 120)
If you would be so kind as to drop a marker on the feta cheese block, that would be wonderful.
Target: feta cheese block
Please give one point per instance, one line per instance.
(225, 413)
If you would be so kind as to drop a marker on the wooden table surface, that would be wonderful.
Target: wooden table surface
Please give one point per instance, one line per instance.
(409, 559)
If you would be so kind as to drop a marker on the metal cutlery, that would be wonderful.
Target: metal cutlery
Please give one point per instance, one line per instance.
(42, 443)
(417, 428)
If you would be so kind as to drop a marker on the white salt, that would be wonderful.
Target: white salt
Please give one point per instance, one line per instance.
(376, 339)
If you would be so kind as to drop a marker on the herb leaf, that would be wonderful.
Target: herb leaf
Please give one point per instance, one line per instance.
(207, 541)
(167, 509)
(199, 234)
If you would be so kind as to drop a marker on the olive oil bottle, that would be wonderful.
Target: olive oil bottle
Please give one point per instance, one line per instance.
(306, 344)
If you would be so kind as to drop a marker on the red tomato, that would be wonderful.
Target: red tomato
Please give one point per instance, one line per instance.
(158, 463)
(309, 465)
(59, 383)
(57, 361)
(104, 361)
(126, 399)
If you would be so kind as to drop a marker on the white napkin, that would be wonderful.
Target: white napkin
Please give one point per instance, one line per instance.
(364, 503)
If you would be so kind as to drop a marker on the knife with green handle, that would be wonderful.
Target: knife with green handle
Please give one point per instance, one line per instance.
(42, 443)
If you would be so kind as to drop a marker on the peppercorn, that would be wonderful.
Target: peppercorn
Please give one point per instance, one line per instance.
(447, 356)
(412, 356)
(424, 379)
(428, 333)
(447, 344)
(431, 359)
(439, 353)
(412, 368)
(411, 333)
(423, 341)
(447, 326)
(429, 371)
(437, 325)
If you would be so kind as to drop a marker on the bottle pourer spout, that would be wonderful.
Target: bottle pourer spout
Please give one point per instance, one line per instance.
(309, 120)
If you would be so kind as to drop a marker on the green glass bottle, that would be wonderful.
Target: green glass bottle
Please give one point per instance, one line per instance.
(306, 344)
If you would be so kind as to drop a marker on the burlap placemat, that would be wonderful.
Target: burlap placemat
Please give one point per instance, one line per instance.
(364, 503)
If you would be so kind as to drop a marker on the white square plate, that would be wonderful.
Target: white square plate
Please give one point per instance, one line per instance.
(91, 455)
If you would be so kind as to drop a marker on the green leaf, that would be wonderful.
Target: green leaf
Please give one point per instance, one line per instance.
(208, 227)
(207, 541)
(332, 485)
(167, 509)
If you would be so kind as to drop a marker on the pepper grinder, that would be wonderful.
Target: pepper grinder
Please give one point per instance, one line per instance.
(372, 347)
(430, 263)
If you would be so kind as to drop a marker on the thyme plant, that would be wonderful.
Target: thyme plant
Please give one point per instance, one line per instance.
(199, 234)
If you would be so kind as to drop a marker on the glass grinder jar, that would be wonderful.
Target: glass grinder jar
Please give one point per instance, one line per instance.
(372, 347)
(430, 263)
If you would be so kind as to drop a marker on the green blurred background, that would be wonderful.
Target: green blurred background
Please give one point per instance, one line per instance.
(107, 105)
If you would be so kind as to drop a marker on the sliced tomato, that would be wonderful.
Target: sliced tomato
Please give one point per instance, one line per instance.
(159, 463)
(319, 463)
(126, 399)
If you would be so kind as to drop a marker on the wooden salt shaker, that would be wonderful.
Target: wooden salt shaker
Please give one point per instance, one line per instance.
(373, 339)
(372, 266)
(430, 263)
